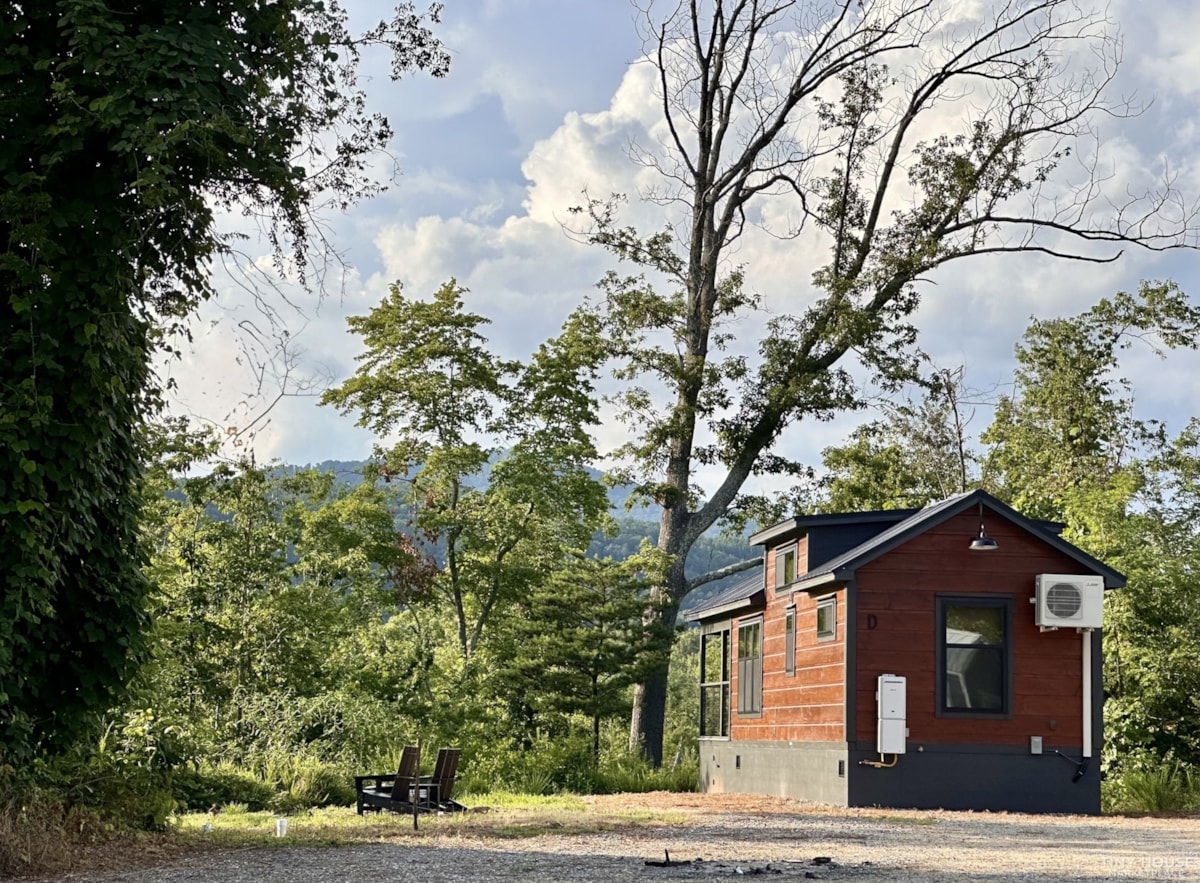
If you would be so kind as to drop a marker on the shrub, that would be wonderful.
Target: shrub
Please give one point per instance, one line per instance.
(203, 789)
(1168, 786)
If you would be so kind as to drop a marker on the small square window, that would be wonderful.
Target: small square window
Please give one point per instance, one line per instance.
(827, 619)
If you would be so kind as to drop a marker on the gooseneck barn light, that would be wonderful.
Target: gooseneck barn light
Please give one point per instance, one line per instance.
(983, 543)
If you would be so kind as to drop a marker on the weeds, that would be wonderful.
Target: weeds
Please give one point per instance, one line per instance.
(1166, 787)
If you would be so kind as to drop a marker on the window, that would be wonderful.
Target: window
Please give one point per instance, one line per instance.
(827, 618)
(789, 641)
(714, 683)
(974, 656)
(750, 668)
(785, 567)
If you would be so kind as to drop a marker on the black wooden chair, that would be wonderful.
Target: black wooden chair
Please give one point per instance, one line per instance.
(401, 792)
(438, 789)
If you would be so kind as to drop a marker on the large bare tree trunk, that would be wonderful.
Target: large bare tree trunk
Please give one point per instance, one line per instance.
(842, 109)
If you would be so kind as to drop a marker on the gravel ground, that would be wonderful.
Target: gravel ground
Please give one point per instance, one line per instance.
(729, 837)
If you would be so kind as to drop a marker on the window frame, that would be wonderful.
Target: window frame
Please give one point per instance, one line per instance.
(1004, 653)
(721, 686)
(791, 550)
(827, 602)
(750, 670)
(789, 641)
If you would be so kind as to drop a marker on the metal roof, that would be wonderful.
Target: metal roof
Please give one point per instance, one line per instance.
(842, 567)
(738, 596)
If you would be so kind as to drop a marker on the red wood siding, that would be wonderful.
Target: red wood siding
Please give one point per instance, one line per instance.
(899, 591)
(810, 704)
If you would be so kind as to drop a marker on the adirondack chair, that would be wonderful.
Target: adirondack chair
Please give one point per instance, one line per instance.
(396, 793)
(438, 789)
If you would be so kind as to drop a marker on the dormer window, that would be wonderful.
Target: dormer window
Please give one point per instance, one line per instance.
(785, 566)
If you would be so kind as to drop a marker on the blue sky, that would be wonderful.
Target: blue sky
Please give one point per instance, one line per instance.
(541, 102)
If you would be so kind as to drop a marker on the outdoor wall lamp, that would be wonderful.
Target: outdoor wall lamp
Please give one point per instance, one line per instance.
(983, 543)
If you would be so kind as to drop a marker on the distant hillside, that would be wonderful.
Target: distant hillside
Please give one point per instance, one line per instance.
(350, 472)
(711, 552)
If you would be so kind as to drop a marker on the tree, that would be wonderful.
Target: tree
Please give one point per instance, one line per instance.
(583, 639)
(129, 125)
(917, 454)
(494, 453)
(1069, 427)
(272, 591)
(823, 107)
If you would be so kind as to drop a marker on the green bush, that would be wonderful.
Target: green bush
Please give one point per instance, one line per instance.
(1168, 786)
(199, 790)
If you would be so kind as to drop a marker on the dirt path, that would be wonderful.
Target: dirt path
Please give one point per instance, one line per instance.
(721, 837)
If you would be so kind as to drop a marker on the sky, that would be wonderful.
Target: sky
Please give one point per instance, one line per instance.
(542, 101)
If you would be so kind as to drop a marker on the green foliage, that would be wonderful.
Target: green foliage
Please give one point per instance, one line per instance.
(126, 132)
(917, 455)
(427, 377)
(681, 730)
(1069, 428)
(199, 790)
(1157, 786)
(583, 638)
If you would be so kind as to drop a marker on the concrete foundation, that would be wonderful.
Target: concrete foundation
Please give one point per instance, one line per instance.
(815, 771)
(994, 778)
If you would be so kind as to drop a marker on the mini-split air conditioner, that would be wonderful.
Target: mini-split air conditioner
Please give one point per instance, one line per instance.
(1069, 601)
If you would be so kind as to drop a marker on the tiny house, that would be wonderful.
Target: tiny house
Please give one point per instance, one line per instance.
(947, 657)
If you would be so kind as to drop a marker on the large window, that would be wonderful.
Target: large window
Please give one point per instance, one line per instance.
(714, 683)
(750, 668)
(974, 658)
(785, 567)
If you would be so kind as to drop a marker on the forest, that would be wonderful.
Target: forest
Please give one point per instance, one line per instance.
(183, 628)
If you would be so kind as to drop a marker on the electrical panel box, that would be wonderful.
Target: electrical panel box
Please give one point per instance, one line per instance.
(891, 732)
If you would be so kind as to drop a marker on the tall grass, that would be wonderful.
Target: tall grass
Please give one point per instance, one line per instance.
(1168, 786)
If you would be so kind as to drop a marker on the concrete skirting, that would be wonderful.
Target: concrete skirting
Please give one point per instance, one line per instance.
(815, 771)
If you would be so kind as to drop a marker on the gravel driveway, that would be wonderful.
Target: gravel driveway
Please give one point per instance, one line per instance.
(728, 837)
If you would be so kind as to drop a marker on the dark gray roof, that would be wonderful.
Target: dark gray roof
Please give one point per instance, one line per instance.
(740, 595)
(842, 566)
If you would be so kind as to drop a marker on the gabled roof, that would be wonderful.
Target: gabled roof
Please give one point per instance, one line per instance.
(745, 594)
(842, 567)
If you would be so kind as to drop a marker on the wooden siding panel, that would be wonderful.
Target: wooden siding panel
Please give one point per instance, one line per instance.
(897, 594)
(808, 705)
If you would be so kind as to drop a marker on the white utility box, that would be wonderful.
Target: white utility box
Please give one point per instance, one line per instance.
(892, 731)
(1068, 600)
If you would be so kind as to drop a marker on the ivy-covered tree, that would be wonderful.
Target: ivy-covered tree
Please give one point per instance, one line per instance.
(129, 125)
(494, 453)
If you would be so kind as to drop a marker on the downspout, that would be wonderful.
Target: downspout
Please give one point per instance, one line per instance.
(1087, 692)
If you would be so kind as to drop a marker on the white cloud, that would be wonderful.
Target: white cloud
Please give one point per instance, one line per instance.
(504, 239)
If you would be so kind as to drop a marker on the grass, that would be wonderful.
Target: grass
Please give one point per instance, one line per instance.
(499, 815)
(1167, 787)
